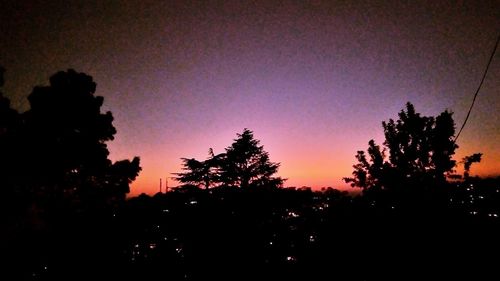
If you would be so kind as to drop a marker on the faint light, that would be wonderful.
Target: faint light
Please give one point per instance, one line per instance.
(45, 267)
(136, 245)
(270, 242)
(473, 213)
(482, 197)
(293, 214)
(152, 246)
(291, 258)
(166, 210)
(392, 207)
(193, 202)
(312, 238)
(178, 250)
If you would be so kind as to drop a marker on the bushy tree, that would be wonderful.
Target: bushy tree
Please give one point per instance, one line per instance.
(200, 173)
(468, 161)
(417, 150)
(59, 188)
(244, 164)
(59, 149)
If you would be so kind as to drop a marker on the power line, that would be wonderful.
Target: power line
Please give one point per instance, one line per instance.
(478, 88)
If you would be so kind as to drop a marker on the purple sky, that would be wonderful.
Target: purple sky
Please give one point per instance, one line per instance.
(313, 80)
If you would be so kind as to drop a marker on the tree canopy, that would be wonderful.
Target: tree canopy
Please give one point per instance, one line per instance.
(58, 147)
(468, 161)
(200, 173)
(417, 150)
(244, 164)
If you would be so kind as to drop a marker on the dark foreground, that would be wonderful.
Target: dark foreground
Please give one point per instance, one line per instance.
(265, 234)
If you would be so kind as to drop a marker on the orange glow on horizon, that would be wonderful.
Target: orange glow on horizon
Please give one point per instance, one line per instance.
(308, 170)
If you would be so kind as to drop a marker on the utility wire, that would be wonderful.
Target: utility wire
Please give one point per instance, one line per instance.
(478, 88)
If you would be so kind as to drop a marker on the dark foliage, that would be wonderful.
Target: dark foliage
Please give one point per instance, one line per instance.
(417, 151)
(244, 164)
(201, 173)
(57, 182)
(58, 147)
(64, 217)
(468, 161)
(228, 233)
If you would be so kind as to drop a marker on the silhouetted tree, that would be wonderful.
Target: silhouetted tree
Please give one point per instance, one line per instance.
(245, 164)
(468, 161)
(60, 150)
(58, 185)
(368, 174)
(200, 173)
(118, 177)
(419, 152)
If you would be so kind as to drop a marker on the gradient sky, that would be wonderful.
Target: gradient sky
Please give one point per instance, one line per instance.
(313, 80)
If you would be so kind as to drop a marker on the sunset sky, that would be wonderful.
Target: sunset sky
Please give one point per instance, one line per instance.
(312, 79)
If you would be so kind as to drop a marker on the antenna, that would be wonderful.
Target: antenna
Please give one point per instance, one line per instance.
(160, 185)
(166, 184)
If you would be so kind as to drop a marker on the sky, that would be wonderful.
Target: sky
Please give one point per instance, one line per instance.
(312, 79)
